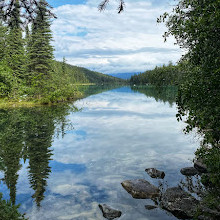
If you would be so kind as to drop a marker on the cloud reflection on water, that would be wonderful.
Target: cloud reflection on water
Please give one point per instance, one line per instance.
(123, 134)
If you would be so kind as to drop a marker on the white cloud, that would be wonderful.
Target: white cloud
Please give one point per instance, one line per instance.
(110, 42)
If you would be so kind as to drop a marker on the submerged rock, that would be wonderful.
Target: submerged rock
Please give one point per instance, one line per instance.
(189, 171)
(150, 207)
(200, 166)
(154, 173)
(180, 203)
(109, 212)
(141, 189)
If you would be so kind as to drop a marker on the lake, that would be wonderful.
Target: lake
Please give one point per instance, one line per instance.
(60, 162)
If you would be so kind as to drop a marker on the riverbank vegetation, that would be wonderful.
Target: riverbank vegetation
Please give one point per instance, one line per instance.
(196, 28)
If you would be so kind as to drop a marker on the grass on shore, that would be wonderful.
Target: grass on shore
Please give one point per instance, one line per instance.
(16, 103)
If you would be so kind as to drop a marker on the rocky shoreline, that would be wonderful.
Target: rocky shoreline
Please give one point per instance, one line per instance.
(176, 200)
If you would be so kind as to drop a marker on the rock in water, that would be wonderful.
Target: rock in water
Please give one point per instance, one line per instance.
(179, 202)
(154, 173)
(150, 207)
(109, 212)
(141, 189)
(189, 171)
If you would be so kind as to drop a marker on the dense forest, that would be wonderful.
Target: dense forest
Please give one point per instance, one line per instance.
(81, 75)
(160, 76)
(27, 67)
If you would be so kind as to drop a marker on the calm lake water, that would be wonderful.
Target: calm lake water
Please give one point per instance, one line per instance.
(61, 162)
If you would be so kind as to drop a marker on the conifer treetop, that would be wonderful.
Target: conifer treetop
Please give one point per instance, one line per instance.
(29, 9)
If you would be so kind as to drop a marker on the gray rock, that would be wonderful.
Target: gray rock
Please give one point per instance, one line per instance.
(109, 212)
(150, 207)
(141, 189)
(154, 173)
(180, 203)
(189, 171)
(200, 166)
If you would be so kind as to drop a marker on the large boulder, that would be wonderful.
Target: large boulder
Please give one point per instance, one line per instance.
(189, 171)
(200, 166)
(141, 189)
(154, 173)
(180, 203)
(109, 212)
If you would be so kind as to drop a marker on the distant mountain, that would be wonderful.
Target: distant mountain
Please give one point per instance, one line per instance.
(124, 75)
(83, 75)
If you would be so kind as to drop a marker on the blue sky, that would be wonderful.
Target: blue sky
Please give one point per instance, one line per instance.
(109, 42)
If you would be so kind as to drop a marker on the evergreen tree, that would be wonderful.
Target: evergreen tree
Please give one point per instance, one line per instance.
(15, 45)
(41, 51)
(3, 34)
(27, 55)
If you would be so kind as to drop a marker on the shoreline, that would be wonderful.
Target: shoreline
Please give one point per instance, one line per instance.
(4, 103)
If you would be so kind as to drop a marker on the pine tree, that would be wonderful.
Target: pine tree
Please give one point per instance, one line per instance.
(15, 45)
(3, 34)
(27, 55)
(41, 51)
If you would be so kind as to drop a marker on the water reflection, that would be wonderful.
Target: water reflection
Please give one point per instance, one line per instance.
(164, 94)
(116, 136)
(28, 134)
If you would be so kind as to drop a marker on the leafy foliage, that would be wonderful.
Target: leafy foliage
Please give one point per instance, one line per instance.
(196, 27)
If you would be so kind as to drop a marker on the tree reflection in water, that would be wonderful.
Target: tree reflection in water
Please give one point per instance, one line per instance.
(28, 134)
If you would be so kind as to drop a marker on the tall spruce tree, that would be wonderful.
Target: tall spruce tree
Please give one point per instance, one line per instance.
(6, 79)
(40, 52)
(27, 55)
(15, 45)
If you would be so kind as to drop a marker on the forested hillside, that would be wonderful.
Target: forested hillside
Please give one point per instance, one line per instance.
(28, 71)
(82, 75)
